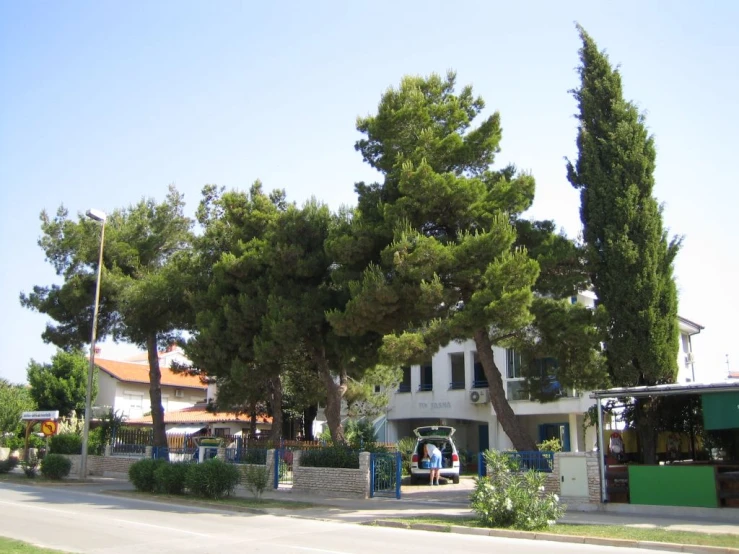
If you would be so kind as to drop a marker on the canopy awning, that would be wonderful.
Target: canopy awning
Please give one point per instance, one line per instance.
(667, 390)
(185, 429)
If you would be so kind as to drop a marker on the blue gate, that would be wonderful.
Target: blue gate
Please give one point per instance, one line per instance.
(283, 467)
(385, 474)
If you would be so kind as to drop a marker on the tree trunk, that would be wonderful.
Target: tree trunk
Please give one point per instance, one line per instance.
(309, 416)
(334, 393)
(252, 421)
(155, 392)
(645, 429)
(275, 386)
(508, 421)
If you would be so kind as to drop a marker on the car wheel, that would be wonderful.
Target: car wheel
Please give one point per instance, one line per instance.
(455, 479)
(414, 480)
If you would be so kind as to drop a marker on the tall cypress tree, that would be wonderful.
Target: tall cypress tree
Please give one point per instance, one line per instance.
(629, 254)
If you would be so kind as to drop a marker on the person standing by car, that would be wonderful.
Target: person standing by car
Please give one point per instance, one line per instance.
(434, 456)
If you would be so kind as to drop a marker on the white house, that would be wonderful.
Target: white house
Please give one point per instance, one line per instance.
(124, 387)
(452, 390)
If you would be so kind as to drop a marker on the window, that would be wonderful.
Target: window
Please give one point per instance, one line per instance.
(405, 384)
(427, 377)
(220, 431)
(377, 389)
(456, 361)
(513, 364)
(135, 404)
(479, 381)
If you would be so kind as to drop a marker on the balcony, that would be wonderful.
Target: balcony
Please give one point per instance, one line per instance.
(425, 387)
(404, 387)
(456, 385)
(480, 384)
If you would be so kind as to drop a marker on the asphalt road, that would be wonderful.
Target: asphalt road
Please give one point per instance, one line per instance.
(76, 521)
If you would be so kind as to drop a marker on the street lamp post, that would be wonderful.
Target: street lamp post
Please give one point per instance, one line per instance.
(100, 216)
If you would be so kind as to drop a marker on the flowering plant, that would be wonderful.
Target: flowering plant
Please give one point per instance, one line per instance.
(509, 497)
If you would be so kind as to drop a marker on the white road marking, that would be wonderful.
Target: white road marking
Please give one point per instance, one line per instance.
(165, 528)
(310, 549)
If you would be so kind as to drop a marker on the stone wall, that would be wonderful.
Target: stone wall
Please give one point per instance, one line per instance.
(103, 466)
(592, 475)
(331, 480)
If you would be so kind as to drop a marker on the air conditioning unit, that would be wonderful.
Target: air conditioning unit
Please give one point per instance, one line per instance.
(689, 358)
(179, 393)
(479, 396)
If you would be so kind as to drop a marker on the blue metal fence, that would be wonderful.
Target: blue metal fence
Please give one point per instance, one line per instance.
(542, 461)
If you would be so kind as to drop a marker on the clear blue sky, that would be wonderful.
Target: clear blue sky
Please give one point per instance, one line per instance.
(102, 103)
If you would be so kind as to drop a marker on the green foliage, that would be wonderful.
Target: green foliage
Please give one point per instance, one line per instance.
(7, 465)
(406, 446)
(30, 467)
(510, 498)
(14, 400)
(66, 444)
(256, 479)
(212, 479)
(55, 466)
(550, 445)
(62, 384)
(362, 398)
(15, 442)
(169, 478)
(142, 261)
(628, 252)
(141, 474)
(360, 435)
(330, 456)
(95, 444)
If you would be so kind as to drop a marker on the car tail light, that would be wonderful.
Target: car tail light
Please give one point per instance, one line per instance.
(414, 459)
(455, 458)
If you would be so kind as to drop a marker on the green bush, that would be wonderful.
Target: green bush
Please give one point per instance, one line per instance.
(510, 498)
(141, 474)
(95, 443)
(212, 479)
(15, 443)
(67, 443)
(406, 447)
(256, 479)
(30, 467)
(170, 478)
(55, 466)
(550, 445)
(330, 456)
(6, 466)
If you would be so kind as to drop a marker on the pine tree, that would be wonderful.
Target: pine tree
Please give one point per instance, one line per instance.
(629, 254)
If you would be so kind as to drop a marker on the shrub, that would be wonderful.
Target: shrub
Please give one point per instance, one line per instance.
(68, 443)
(6, 466)
(212, 479)
(15, 443)
(406, 447)
(30, 467)
(510, 498)
(55, 466)
(141, 474)
(331, 456)
(170, 478)
(550, 445)
(256, 479)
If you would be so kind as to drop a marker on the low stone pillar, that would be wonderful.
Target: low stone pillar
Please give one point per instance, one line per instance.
(148, 451)
(271, 453)
(108, 450)
(364, 468)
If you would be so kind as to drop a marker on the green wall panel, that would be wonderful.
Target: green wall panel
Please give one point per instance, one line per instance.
(673, 486)
(720, 410)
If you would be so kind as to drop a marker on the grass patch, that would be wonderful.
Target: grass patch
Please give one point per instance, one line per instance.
(229, 502)
(10, 546)
(21, 479)
(657, 534)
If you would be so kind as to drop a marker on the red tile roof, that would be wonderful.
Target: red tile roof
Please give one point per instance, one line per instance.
(200, 414)
(139, 373)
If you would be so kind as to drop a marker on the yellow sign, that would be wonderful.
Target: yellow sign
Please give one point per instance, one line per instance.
(48, 428)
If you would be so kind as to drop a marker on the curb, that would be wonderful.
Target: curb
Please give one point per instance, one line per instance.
(534, 535)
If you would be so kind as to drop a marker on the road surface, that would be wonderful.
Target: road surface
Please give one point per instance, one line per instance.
(76, 521)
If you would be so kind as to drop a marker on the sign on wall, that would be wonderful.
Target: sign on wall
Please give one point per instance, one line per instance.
(48, 414)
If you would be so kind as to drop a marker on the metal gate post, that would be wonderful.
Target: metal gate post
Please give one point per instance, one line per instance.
(372, 475)
(277, 467)
(398, 474)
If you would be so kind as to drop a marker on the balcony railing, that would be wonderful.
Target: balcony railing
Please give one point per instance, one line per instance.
(480, 384)
(425, 387)
(456, 385)
(404, 387)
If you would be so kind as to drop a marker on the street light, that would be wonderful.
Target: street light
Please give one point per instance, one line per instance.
(100, 216)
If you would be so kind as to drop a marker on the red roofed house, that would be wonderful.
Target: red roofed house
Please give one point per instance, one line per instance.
(124, 387)
(192, 420)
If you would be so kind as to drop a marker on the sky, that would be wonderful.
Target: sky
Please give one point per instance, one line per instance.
(103, 103)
